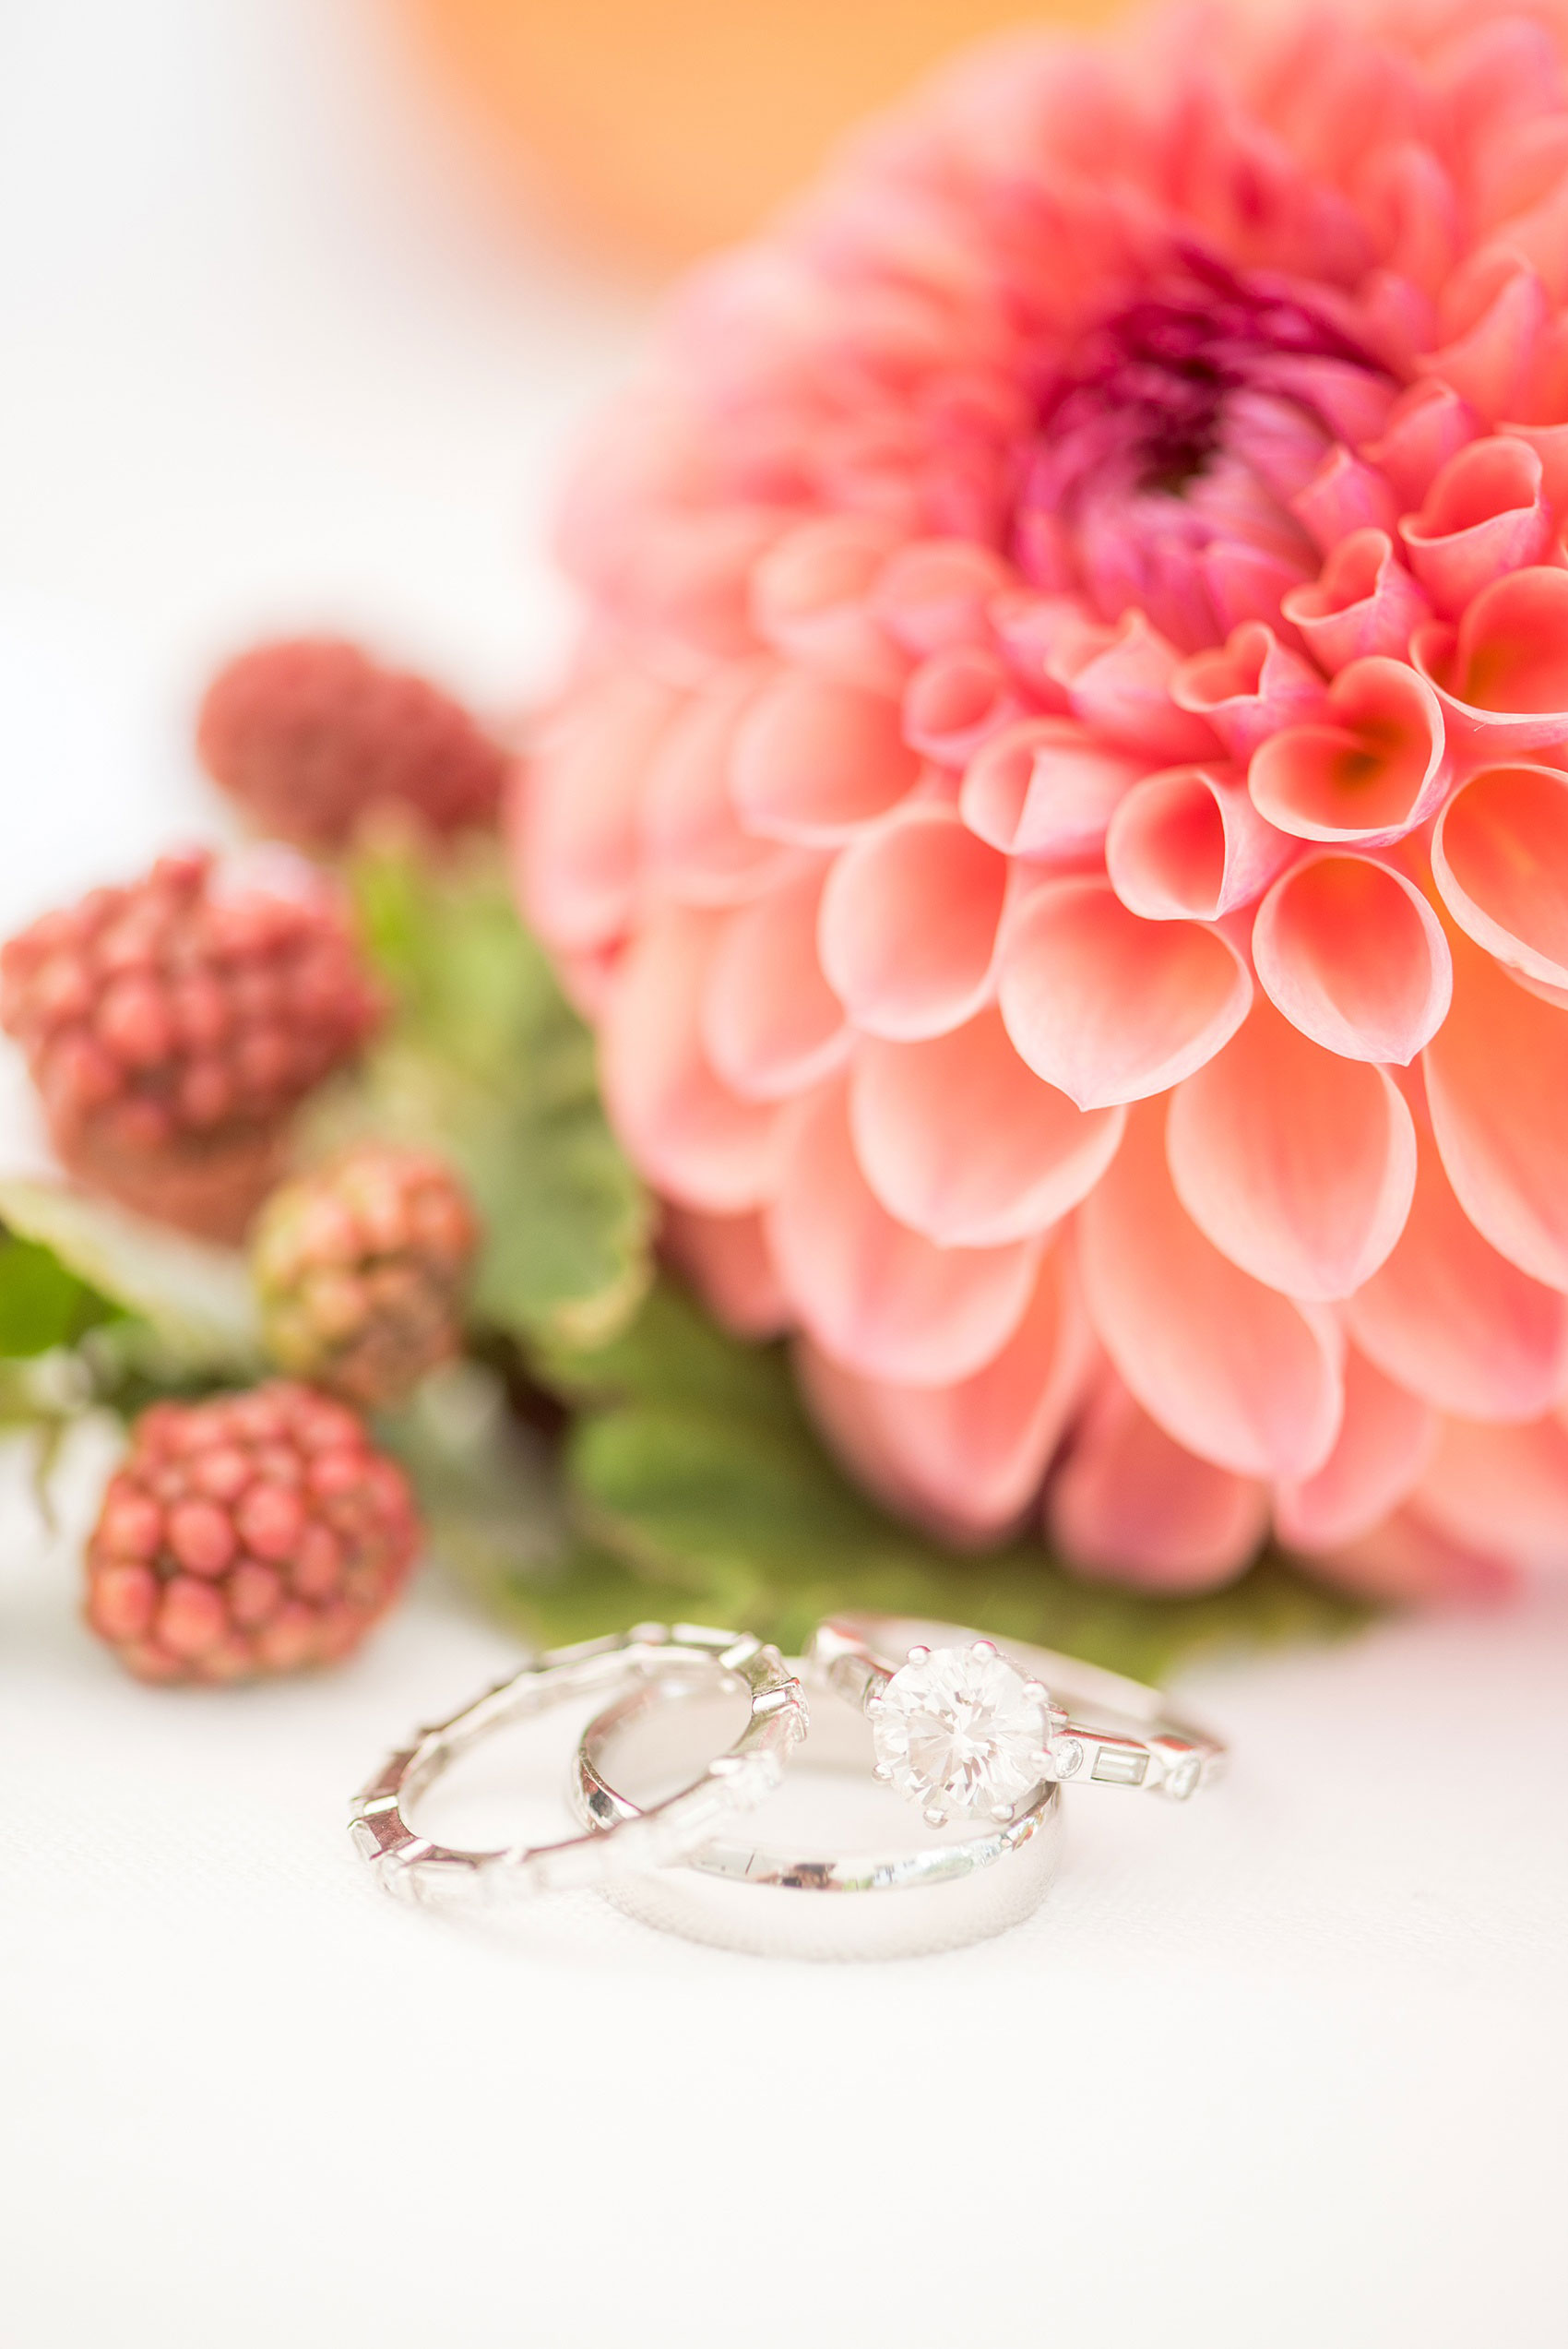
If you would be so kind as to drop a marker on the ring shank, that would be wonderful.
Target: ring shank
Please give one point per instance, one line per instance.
(413, 1865)
(939, 1894)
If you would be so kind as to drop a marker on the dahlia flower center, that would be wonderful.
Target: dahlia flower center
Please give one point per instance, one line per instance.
(1187, 418)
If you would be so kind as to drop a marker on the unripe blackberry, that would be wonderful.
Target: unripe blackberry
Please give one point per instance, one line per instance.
(173, 1026)
(359, 1265)
(251, 1534)
(309, 734)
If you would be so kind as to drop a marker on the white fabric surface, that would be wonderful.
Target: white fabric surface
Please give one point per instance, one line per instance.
(1288, 2065)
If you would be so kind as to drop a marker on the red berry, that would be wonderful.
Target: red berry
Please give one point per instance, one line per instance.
(311, 733)
(360, 1268)
(163, 1029)
(217, 1557)
(201, 1536)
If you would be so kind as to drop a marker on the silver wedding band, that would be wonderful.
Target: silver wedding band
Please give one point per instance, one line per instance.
(979, 1735)
(742, 1774)
(740, 1895)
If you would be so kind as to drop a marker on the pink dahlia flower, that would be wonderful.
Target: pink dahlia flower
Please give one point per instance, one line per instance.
(1061, 816)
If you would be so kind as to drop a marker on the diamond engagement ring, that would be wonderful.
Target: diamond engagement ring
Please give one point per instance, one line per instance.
(897, 1899)
(964, 1729)
(748, 1770)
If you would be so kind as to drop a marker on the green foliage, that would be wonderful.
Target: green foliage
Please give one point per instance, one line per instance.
(488, 1485)
(43, 1303)
(695, 1486)
(485, 1060)
(193, 1301)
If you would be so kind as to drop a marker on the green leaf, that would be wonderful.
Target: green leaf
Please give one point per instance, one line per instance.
(486, 1059)
(487, 1486)
(43, 1303)
(195, 1298)
(693, 1466)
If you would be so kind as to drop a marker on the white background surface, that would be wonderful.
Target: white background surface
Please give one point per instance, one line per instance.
(1287, 2067)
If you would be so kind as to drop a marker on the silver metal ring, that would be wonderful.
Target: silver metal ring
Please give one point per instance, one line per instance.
(887, 1903)
(409, 1863)
(965, 1728)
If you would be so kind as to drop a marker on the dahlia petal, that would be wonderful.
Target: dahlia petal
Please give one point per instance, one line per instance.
(1385, 1441)
(958, 701)
(933, 595)
(1297, 1165)
(1490, 365)
(877, 1297)
(1516, 170)
(1485, 514)
(1374, 772)
(1046, 787)
(816, 761)
(1396, 320)
(1497, 1086)
(1240, 1375)
(1500, 857)
(909, 925)
(1550, 445)
(575, 839)
(1454, 1322)
(967, 1458)
(771, 1025)
(959, 1140)
(1123, 689)
(694, 848)
(809, 600)
(1353, 400)
(687, 1131)
(1275, 439)
(1344, 494)
(1502, 675)
(689, 583)
(1365, 602)
(1191, 845)
(1107, 1008)
(1495, 76)
(1248, 689)
(1426, 425)
(1132, 1502)
(1416, 207)
(1405, 1557)
(1038, 635)
(1501, 1489)
(1353, 954)
(585, 978)
(726, 1259)
(1250, 583)
(1537, 234)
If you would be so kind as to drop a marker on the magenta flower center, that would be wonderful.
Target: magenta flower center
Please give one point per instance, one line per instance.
(1192, 412)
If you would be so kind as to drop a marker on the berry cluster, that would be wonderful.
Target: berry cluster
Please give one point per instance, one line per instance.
(309, 736)
(172, 1028)
(250, 1534)
(359, 1267)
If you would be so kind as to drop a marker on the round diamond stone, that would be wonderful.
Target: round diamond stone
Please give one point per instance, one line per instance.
(1067, 1754)
(961, 1732)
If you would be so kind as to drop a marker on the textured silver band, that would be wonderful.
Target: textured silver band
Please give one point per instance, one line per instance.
(411, 1865)
(1113, 1732)
(892, 1902)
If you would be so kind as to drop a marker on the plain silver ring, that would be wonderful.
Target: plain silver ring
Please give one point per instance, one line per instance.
(411, 1865)
(773, 1903)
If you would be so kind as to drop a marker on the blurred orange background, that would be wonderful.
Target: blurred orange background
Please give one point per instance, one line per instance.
(665, 126)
